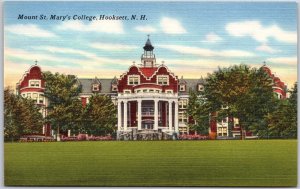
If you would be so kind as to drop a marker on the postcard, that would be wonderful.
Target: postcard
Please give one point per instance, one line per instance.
(150, 93)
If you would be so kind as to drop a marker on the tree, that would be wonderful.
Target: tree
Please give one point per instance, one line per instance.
(283, 121)
(21, 116)
(241, 92)
(199, 109)
(64, 109)
(100, 115)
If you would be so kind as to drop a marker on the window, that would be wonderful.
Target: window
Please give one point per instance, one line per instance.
(224, 107)
(95, 87)
(169, 91)
(182, 117)
(200, 87)
(183, 104)
(114, 88)
(29, 95)
(163, 80)
(182, 88)
(222, 131)
(34, 83)
(138, 91)
(41, 99)
(225, 120)
(133, 80)
(34, 95)
(127, 91)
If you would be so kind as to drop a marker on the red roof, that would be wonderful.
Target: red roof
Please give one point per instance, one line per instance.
(148, 72)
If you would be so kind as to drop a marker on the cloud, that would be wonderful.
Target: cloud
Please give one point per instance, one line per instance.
(54, 49)
(206, 52)
(91, 61)
(145, 29)
(212, 38)
(284, 60)
(266, 48)
(171, 26)
(101, 26)
(112, 46)
(259, 32)
(29, 30)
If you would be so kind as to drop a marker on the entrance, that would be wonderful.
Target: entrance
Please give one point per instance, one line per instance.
(147, 124)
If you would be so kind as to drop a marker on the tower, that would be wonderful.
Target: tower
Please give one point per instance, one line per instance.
(148, 58)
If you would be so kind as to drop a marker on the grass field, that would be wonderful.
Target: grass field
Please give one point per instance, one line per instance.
(152, 163)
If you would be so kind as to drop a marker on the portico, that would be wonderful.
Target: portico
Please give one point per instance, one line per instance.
(156, 111)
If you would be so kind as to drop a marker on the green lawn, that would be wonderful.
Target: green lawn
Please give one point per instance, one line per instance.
(152, 163)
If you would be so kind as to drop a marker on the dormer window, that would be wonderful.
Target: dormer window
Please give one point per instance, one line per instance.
(95, 87)
(181, 87)
(114, 87)
(163, 80)
(200, 87)
(133, 80)
(34, 83)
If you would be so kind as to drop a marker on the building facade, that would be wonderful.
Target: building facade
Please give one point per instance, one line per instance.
(148, 96)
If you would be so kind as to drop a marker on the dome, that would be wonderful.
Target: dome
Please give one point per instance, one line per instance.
(148, 46)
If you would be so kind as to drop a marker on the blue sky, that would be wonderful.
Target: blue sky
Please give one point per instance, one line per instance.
(193, 38)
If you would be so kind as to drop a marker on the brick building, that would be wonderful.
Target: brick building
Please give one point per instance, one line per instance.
(149, 97)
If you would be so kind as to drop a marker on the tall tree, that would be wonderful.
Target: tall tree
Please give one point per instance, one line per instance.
(100, 115)
(245, 92)
(64, 108)
(199, 109)
(21, 116)
(283, 121)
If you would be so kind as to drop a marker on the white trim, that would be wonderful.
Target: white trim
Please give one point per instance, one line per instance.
(142, 90)
(31, 88)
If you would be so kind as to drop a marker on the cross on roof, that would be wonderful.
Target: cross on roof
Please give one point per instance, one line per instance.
(36, 62)
(264, 62)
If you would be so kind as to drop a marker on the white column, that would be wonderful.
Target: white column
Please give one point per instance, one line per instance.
(125, 115)
(69, 133)
(156, 114)
(119, 115)
(176, 117)
(139, 101)
(170, 115)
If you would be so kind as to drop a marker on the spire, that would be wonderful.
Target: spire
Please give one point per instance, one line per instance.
(148, 46)
(264, 63)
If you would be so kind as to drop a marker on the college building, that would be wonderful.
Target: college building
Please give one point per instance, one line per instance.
(149, 97)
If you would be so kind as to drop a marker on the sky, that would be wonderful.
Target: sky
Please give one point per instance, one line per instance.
(191, 38)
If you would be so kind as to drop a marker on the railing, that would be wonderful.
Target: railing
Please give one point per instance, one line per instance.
(145, 95)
